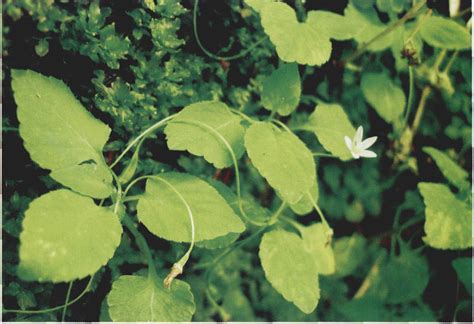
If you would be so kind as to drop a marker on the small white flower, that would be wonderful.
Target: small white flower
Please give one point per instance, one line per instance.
(358, 147)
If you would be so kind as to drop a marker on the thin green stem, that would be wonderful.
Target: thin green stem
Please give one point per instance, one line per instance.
(418, 26)
(212, 55)
(244, 116)
(276, 121)
(411, 92)
(132, 183)
(42, 311)
(410, 14)
(145, 133)
(421, 108)
(277, 214)
(328, 229)
(450, 62)
(182, 262)
(272, 114)
(68, 295)
(142, 244)
(234, 161)
(439, 59)
(293, 223)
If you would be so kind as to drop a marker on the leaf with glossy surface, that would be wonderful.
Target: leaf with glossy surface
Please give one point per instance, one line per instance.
(66, 237)
(448, 220)
(387, 98)
(140, 299)
(281, 158)
(290, 269)
(330, 124)
(282, 90)
(203, 128)
(450, 169)
(164, 213)
(445, 33)
(60, 134)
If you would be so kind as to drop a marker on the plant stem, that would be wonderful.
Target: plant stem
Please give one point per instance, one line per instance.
(143, 245)
(411, 91)
(68, 294)
(450, 62)
(244, 116)
(142, 135)
(42, 311)
(421, 108)
(212, 55)
(410, 14)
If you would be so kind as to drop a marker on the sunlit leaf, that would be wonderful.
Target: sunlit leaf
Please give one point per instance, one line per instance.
(445, 33)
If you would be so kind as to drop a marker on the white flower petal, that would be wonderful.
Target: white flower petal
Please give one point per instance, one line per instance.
(367, 154)
(355, 155)
(358, 135)
(348, 142)
(367, 143)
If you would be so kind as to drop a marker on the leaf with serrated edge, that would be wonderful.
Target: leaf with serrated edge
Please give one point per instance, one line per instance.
(448, 220)
(450, 169)
(140, 299)
(282, 90)
(290, 269)
(387, 98)
(191, 131)
(163, 212)
(281, 158)
(66, 237)
(330, 124)
(60, 134)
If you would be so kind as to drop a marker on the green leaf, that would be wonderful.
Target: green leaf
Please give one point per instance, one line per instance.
(257, 5)
(290, 269)
(87, 178)
(281, 158)
(203, 129)
(305, 205)
(140, 299)
(387, 98)
(42, 48)
(453, 172)
(60, 134)
(350, 253)
(335, 26)
(282, 90)
(66, 237)
(303, 43)
(448, 220)
(463, 267)
(330, 124)
(405, 276)
(163, 209)
(315, 243)
(445, 33)
(368, 26)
